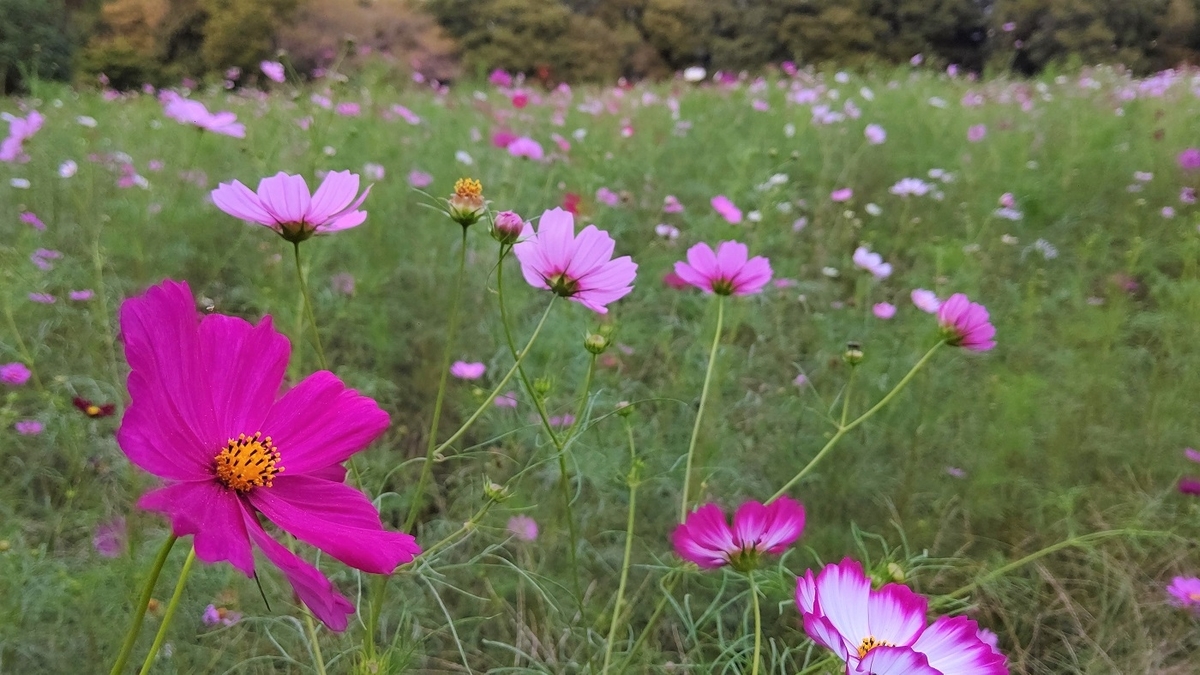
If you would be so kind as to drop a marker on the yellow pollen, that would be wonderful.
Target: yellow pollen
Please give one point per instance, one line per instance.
(468, 187)
(1194, 597)
(870, 643)
(248, 462)
(93, 410)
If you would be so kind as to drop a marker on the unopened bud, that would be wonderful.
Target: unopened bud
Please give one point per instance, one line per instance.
(507, 227)
(853, 354)
(4, 545)
(494, 491)
(542, 386)
(896, 571)
(595, 343)
(466, 205)
(624, 408)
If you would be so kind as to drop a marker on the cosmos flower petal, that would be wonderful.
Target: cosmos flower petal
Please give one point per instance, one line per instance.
(749, 524)
(900, 661)
(703, 261)
(155, 436)
(285, 197)
(210, 512)
(823, 633)
(593, 248)
(313, 589)
(241, 202)
(556, 234)
(247, 364)
(335, 193)
(320, 422)
(785, 524)
(952, 645)
(842, 595)
(337, 519)
(896, 614)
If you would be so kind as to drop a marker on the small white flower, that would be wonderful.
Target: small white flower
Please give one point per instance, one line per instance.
(694, 74)
(19, 183)
(873, 209)
(464, 158)
(830, 272)
(754, 216)
(789, 130)
(89, 122)
(68, 168)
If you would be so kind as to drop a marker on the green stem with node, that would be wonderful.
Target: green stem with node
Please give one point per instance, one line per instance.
(139, 613)
(843, 428)
(633, 480)
(712, 359)
(308, 308)
(161, 637)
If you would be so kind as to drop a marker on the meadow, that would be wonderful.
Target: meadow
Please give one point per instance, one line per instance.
(1032, 487)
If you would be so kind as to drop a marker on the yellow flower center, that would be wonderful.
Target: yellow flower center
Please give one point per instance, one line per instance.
(92, 410)
(1194, 597)
(468, 187)
(248, 462)
(870, 643)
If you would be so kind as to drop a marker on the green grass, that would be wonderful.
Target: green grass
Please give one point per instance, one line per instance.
(1073, 424)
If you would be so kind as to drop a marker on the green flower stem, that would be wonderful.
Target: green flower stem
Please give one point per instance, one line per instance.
(843, 429)
(25, 353)
(310, 630)
(712, 359)
(667, 589)
(139, 614)
(445, 541)
(308, 308)
(161, 637)
(633, 481)
(820, 666)
(757, 624)
(1066, 543)
(540, 406)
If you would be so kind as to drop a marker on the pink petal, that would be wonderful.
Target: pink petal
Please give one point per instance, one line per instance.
(593, 248)
(901, 661)
(952, 645)
(285, 197)
(749, 524)
(313, 589)
(821, 630)
(843, 592)
(247, 365)
(336, 193)
(214, 514)
(555, 237)
(784, 525)
(703, 260)
(240, 202)
(320, 422)
(337, 519)
(731, 256)
(897, 615)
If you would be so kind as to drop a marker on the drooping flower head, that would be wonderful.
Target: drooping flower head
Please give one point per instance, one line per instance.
(205, 417)
(466, 205)
(194, 113)
(727, 271)
(706, 538)
(884, 632)
(966, 324)
(577, 267)
(283, 203)
(1185, 593)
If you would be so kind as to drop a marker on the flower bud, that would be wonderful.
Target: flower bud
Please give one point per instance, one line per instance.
(853, 354)
(624, 408)
(595, 343)
(542, 386)
(507, 227)
(466, 205)
(494, 492)
(896, 571)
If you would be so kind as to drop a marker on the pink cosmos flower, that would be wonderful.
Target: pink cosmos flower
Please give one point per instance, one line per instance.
(187, 111)
(976, 132)
(1187, 195)
(214, 615)
(728, 271)
(467, 371)
(1189, 160)
(373, 171)
(926, 301)
(875, 134)
(666, 231)
(526, 147)
(1188, 485)
(110, 538)
(205, 416)
(500, 78)
(419, 179)
(1185, 593)
(883, 632)
(671, 205)
(20, 129)
(406, 114)
(726, 209)
(31, 219)
(523, 528)
(343, 283)
(283, 203)
(29, 427)
(706, 539)
(910, 186)
(562, 421)
(965, 324)
(506, 400)
(872, 262)
(273, 70)
(841, 195)
(607, 197)
(884, 310)
(348, 109)
(503, 138)
(578, 267)
(42, 298)
(14, 374)
(673, 280)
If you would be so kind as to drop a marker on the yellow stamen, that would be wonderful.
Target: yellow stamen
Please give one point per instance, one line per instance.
(870, 643)
(468, 187)
(248, 462)
(92, 410)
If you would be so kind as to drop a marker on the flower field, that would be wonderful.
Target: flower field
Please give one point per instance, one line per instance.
(813, 372)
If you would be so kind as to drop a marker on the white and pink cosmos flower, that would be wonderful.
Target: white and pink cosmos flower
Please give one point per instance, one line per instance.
(706, 538)
(872, 262)
(884, 632)
(283, 203)
(579, 267)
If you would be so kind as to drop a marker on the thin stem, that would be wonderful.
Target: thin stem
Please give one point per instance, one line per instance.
(445, 541)
(139, 614)
(451, 332)
(1066, 543)
(843, 429)
(633, 485)
(658, 610)
(310, 630)
(25, 353)
(712, 359)
(161, 637)
(109, 339)
(846, 395)
(757, 624)
(308, 308)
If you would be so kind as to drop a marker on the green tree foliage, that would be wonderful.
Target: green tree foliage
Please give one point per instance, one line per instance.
(34, 42)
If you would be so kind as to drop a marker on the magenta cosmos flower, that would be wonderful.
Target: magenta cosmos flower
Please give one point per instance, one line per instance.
(1185, 592)
(273, 70)
(577, 267)
(965, 324)
(1189, 160)
(206, 418)
(14, 374)
(284, 204)
(728, 271)
(883, 632)
(20, 129)
(1190, 485)
(467, 371)
(726, 209)
(706, 539)
(187, 111)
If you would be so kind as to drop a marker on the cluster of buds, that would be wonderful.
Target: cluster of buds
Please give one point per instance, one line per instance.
(466, 206)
